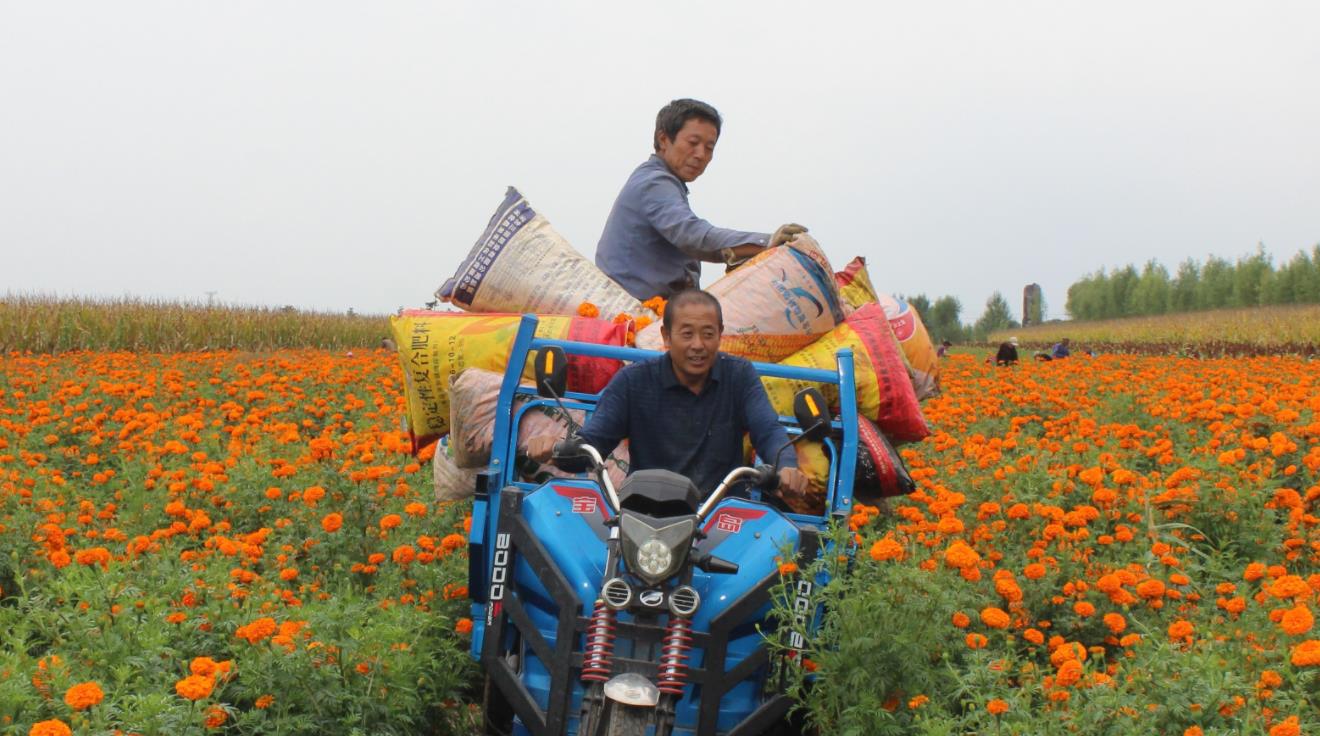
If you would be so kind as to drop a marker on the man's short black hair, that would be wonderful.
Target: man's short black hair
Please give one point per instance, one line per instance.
(690, 296)
(674, 116)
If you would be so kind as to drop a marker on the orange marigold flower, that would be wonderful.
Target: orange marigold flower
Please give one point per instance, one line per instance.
(1034, 571)
(1070, 672)
(404, 554)
(415, 509)
(53, 727)
(1287, 727)
(1297, 620)
(995, 618)
(194, 687)
(257, 630)
(976, 641)
(961, 556)
(886, 549)
(1083, 609)
(1288, 586)
(1180, 630)
(207, 667)
(332, 522)
(1270, 678)
(83, 695)
(312, 495)
(1306, 654)
(589, 310)
(917, 702)
(997, 707)
(961, 620)
(264, 702)
(1193, 731)
(390, 521)
(216, 717)
(1115, 622)
(1255, 571)
(1034, 636)
(463, 626)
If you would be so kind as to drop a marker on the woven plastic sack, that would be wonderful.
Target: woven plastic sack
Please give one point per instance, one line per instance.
(521, 264)
(451, 482)
(854, 282)
(917, 347)
(474, 402)
(884, 391)
(435, 346)
(774, 305)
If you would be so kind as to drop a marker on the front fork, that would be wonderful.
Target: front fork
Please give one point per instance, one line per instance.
(597, 661)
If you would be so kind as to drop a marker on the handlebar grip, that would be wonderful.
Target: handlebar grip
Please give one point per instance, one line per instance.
(767, 478)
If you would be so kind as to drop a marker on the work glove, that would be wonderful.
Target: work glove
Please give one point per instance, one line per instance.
(785, 234)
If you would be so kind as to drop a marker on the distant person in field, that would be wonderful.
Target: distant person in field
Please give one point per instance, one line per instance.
(653, 244)
(1008, 353)
(944, 349)
(1060, 349)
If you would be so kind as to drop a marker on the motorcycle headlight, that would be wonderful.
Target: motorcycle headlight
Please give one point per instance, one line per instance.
(651, 552)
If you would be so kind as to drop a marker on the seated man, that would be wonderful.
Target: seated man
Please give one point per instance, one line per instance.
(653, 244)
(1061, 349)
(687, 410)
(1008, 353)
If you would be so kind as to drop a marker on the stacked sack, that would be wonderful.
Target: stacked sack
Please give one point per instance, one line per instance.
(520, 264)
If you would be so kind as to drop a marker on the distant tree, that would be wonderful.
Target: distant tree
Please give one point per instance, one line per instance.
(920, 303)
(1249, 277)
(1151, 293)
(1122, 285)
(1182, 292)
(1216, 287)
(944, 322)
(997, 316)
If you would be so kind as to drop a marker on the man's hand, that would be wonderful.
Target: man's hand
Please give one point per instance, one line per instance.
(540, 447)
(785, 234)
(793, 482)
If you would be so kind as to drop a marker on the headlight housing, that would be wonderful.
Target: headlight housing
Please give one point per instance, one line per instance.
(652, 552)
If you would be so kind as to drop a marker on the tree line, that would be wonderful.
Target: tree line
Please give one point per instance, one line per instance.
(943, 318)
(1251, 281)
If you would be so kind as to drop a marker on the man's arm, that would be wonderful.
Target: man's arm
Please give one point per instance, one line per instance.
(670, 215)
(605, 429)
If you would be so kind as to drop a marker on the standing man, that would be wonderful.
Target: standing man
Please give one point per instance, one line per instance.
(687, 410)
(653, 244)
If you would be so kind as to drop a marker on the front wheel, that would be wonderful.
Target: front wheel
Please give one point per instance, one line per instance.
(627, 720)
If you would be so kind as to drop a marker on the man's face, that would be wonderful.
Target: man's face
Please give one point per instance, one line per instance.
(691, 150)
(693, 340)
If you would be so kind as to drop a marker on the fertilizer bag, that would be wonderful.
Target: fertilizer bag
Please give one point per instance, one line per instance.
(855, 284)
(521, 264)
(774, 305)
(435, 346)
(915, 341)
(884, 391)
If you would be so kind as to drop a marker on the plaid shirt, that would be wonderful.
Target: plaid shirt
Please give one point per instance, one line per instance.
(696, 435)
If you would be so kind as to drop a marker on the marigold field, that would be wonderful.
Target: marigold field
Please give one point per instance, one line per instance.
(240, 543)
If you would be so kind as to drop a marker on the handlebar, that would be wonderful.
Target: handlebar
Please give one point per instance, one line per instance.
(763, 476)
(575, 446)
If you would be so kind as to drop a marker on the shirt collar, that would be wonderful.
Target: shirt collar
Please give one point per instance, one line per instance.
(669, 379)
(659, 162)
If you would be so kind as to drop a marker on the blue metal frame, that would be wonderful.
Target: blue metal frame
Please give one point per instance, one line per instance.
(486, 506)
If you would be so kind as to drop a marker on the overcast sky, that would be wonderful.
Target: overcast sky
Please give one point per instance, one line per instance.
(335, 155)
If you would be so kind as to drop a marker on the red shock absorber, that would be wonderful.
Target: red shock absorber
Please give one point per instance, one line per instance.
(674, 656)
(600, 644)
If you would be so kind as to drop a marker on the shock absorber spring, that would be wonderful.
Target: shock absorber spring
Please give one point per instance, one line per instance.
(600, 644)
(674, 656)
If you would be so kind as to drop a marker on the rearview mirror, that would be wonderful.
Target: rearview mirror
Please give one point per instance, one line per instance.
(551, 372)
(809, 410)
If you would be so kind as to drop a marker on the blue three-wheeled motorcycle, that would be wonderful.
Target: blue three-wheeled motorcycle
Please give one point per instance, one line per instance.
(639, 610)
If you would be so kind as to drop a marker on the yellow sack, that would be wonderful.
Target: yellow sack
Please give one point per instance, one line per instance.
(884, 390)
(855, 284)
(435, 346)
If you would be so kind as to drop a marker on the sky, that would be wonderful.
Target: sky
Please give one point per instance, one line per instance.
(336, 155)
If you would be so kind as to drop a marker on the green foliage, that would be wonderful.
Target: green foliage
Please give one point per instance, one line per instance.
(997, 316)
(1251, 281)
